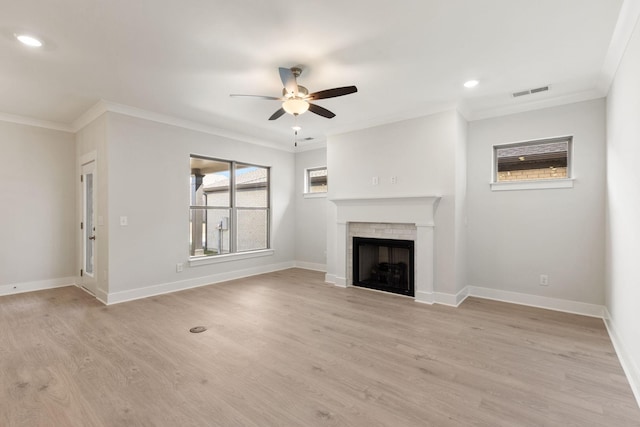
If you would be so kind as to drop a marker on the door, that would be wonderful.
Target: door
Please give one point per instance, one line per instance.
(88, 275)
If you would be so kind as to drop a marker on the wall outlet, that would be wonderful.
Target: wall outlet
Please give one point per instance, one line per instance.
(544, 280)
(124, 221)
(394, 179)
(374, 180)
(179, 267)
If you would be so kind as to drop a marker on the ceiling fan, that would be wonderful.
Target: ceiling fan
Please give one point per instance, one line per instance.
(296, 99)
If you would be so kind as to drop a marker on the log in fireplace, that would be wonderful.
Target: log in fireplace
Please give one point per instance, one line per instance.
(384, 264)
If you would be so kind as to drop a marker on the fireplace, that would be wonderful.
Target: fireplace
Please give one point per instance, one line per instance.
(409, 218)
(384, 264)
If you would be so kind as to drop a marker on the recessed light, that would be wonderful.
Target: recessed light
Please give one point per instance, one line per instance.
(296, 128)
(471, 83)
(29, 40)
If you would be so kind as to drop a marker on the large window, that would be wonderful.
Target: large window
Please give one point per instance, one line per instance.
(533, 160)
(229, 207)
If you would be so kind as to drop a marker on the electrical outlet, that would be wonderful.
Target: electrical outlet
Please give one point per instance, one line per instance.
(394, 179)
(124, 221)
(179, 267)
(544, 280)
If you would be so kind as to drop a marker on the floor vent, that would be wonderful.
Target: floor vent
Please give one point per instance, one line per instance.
(530, 91)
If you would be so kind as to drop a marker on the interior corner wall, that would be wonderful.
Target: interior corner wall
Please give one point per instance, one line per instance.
(311, 214)
(515, 236)
(623, 211)
(461, 203)
(423, 155)
(37, 219)
(148, 172)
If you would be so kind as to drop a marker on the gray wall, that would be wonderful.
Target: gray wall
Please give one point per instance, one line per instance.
(623, 210)
(311, 214)
(514, 236)
(37, 218)
(149, 183)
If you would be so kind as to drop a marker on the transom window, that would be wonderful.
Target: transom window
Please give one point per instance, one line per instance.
(533, 160)
(229, 207)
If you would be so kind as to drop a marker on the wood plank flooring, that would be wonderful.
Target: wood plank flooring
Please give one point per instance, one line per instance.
(285, 349)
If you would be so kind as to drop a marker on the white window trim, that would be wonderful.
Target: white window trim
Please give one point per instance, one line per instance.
(205, 260)
(314, 195)
(306, 193)
(540, 184)
(532, 185)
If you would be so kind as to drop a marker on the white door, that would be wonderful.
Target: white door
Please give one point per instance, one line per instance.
(89, 271)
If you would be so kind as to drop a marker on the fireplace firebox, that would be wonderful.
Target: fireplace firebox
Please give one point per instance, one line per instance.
(384, 264)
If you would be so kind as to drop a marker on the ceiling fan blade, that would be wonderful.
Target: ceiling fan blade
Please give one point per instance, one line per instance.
(288, 80)
(277, 114)
(321, 111)
(332, 93)
(274, 98)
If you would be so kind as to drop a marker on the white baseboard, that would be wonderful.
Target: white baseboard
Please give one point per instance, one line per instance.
(452, 300)
(38, 285)
(330, 279)
(311, 266)
(631, 370)
(557, 304)
(164, 288)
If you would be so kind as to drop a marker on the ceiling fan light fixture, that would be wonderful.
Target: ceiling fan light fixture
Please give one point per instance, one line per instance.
(28, 40)
(295, 106)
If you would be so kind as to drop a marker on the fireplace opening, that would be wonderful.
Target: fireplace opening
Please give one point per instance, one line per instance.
(383, 264)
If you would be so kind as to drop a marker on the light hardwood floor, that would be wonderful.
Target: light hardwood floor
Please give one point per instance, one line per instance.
(285, 349)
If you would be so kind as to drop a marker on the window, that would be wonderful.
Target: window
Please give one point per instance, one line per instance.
(533, 162)
(229, 208)
(315, 180)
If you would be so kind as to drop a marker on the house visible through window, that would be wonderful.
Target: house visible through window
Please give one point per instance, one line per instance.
(316, 180)
(533, 160)
(229, 207)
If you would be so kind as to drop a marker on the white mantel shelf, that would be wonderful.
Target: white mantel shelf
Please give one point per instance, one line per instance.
(418, 210)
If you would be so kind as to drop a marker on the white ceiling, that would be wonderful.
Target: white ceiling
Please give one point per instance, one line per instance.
(407, 57)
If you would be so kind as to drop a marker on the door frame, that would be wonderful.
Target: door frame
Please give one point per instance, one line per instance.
(88, 282)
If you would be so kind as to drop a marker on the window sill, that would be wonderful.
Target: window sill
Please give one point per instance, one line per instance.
(532, 185)
(216, 259)
(314, 195)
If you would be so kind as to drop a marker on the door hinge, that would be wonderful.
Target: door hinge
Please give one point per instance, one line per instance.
(81, 178)
(81, 273)
(81, 225)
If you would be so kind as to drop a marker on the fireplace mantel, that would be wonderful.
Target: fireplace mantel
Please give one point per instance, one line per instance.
(418, 210)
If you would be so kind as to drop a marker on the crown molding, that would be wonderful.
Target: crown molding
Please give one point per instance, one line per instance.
(534, 105)
(22, 120)
(104, 106)
(627, 21)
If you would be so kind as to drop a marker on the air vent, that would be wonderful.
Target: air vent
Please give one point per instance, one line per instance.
(531, 91)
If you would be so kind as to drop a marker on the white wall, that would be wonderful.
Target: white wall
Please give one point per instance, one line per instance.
(514, 236)
(425, 154)
(311, 215)
(149, 184)
(623, 210)
(37, 218)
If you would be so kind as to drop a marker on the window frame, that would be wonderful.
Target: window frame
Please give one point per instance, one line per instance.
(534, 184)
(307, 182)
(233, 207)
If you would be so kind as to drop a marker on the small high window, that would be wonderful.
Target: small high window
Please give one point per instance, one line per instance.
(316, 180)
(539, 160)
